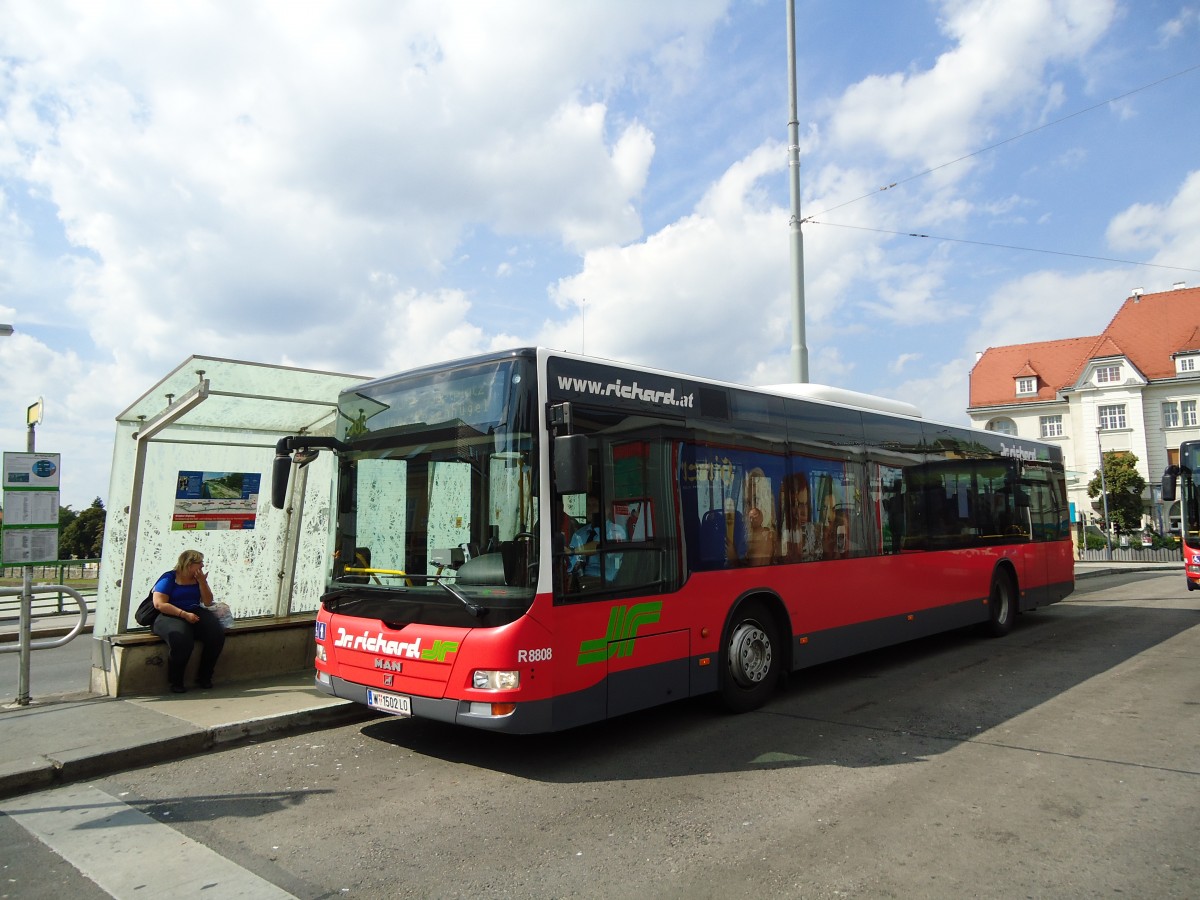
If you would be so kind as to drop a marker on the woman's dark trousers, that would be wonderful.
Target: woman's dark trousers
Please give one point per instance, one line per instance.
(181, 637)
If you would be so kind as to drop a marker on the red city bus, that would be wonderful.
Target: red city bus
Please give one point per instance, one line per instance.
(532, 540)
(1188, 475)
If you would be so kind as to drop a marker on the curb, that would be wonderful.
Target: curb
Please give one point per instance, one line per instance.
(1119, 569)
(48, 772)
(11, 637)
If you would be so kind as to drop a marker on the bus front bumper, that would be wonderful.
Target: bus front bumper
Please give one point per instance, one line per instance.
(526, 718)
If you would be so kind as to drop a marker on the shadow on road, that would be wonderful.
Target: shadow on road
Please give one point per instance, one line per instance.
(895, 706)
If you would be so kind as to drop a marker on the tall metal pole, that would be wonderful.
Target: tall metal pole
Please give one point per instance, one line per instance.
(799, 347)
(1104, 497)
(25, 620)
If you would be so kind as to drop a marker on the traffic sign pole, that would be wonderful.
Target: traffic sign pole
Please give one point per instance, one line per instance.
(31, 504)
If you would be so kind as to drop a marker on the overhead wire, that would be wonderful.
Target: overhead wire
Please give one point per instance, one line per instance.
(812, 219)
(1009, 140)
(934, 237)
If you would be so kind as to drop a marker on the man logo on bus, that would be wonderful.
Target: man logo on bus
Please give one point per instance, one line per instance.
(623, 625)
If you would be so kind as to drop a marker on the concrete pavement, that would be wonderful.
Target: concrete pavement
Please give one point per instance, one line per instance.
(85, 736)
(75, 737)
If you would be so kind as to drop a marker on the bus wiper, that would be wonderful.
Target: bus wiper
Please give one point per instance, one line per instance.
(333, 597)
(472, 607)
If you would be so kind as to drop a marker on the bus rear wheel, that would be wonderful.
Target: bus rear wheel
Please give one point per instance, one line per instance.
(750, 659)
(1002, 605)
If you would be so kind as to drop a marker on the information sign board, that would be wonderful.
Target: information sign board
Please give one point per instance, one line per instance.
(31, 495)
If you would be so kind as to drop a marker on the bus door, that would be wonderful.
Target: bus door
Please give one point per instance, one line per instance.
(619, 566)
(1048, 522)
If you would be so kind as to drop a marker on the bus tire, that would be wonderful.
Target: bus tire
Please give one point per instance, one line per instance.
(1191, 584)
(1002, 605)
(750, 658)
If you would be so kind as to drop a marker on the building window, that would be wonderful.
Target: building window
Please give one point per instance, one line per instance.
(1051, 426)
(1026, 386)
(1112, 417)
(1002, 426)
(1170, 414)
(1185, 364)
(1108, 375)
(1188, 410)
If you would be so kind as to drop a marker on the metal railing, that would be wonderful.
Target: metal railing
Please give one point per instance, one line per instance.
(1130, 554)
(25, 643)
(77, 575)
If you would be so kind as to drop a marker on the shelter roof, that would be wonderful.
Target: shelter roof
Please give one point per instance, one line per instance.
(243, 396)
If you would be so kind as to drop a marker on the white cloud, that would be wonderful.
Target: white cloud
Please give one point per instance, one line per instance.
(1047, 306)
(999, 52)
(706, 295)
(1169, 232)
(900, 363)
(1173, 29)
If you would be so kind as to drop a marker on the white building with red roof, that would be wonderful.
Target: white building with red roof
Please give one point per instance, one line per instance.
(1133, 388)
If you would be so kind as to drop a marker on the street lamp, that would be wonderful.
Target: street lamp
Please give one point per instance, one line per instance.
(1104, 496)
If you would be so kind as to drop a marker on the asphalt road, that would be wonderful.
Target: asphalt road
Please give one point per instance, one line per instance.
(1060, 761)
(53, 671)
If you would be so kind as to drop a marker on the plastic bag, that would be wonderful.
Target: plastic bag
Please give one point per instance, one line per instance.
(223, 613)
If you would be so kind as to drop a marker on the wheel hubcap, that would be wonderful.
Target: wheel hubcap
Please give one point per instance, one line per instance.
(749, 654)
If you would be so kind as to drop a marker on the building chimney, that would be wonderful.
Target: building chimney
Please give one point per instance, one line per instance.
(1179, 285)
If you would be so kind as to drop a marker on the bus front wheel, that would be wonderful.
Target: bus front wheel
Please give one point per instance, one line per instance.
(750, 659)
(1002, 605)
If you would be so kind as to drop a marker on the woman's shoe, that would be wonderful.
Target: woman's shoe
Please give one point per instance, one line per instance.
(178, 689)
(204, 684)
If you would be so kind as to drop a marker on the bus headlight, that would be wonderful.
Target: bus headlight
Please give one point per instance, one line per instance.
(495, 679)
(321, 653)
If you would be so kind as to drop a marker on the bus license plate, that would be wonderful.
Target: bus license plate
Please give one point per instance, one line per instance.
(396, 704)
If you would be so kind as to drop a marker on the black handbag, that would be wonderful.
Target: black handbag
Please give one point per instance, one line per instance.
(146, 612)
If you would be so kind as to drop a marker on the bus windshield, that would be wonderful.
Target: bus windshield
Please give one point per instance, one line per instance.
(437, 497)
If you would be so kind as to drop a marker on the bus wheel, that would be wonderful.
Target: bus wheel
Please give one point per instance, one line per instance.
(750, 660)
(1191, 584)
(1002, 605)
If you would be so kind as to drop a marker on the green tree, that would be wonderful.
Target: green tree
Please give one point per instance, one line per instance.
(83, 536)
(66, 516)
(1124, 487)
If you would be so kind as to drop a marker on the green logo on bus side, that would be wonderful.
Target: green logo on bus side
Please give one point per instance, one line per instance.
(439, 651)
(623, 625)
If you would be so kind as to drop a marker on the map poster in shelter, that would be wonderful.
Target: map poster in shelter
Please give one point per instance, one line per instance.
(215, 501)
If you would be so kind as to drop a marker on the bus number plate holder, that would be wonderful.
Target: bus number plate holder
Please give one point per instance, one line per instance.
(396, 704)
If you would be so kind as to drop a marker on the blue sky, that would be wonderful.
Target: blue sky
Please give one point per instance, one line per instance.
(365, 187)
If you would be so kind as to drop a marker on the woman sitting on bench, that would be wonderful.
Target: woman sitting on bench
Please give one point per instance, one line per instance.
(182, 597)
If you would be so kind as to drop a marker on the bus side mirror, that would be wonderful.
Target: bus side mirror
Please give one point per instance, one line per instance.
(570, 464)
(1168, 484)
(281, 469)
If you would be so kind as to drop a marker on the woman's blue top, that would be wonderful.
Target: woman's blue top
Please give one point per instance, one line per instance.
(184, 596)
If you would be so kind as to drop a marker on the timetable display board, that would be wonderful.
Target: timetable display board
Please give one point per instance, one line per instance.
(31, 498)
